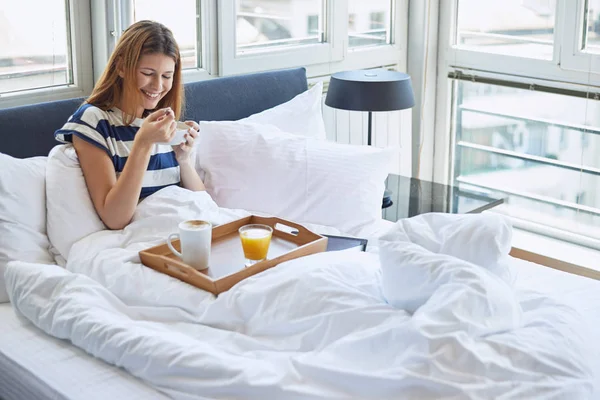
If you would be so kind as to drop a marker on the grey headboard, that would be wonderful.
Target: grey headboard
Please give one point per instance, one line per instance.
(28, 131)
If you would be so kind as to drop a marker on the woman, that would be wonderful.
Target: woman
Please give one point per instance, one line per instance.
(118, 131)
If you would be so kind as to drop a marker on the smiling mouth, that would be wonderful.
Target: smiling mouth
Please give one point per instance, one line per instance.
(150, 95)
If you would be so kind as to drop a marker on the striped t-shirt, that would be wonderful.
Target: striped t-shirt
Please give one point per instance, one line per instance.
(106, 130)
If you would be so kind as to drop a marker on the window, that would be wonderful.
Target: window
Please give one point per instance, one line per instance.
(530, 146)
(261, 25)
(581, 42)
(351, 22)
(374, 33)
(369, 22)
(180, 17)
(191, 21)
(377, 20)
(275, 33)
(591, 37)
(523, 109)
(216, 38)
(312, 25)
(39, 58)
(523, 28)
(43, 60)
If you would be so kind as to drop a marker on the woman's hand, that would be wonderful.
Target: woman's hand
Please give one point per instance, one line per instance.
(158, 127)
(189, 176)
(184, 150)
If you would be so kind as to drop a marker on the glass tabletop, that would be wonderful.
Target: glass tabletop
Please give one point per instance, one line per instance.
(412, 196)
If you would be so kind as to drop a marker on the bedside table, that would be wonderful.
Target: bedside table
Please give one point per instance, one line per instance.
(412, 196)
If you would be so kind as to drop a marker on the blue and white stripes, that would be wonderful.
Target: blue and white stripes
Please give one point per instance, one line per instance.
(106, 130)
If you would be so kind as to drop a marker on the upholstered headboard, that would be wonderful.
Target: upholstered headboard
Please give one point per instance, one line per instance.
(28, 131)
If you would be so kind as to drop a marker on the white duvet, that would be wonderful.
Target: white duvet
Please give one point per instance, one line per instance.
(429, 313)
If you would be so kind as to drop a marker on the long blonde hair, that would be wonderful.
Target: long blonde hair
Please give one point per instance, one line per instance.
(143, 37)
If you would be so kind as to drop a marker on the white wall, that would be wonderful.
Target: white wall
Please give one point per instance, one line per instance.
(390, 129)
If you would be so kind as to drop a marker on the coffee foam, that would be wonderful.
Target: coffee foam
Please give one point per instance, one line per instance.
(196, 225)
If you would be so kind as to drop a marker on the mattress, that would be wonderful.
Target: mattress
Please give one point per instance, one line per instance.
(34, 365)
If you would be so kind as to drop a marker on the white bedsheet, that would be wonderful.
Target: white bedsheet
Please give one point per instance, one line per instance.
(316, 327)
(580, 293)
(34, 365)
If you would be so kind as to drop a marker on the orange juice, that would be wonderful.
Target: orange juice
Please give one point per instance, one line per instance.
(255, 242)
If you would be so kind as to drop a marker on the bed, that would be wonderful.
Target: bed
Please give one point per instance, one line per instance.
(34, 364)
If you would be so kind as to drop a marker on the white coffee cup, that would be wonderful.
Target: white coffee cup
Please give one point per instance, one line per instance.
(195, 237)
(179, 136)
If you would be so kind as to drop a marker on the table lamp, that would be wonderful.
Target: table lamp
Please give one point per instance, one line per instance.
(371, 91)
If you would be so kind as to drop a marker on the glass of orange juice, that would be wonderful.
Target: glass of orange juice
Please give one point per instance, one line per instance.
(256, 239)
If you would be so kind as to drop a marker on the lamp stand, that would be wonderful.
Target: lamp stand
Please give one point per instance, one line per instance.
(387, 195)
(369, 128)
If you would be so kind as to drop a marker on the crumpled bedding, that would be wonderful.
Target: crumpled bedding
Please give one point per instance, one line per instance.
(429, 313)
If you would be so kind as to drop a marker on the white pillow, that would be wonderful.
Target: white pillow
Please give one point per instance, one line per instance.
(22, 213)
(71, 213)
(452, 290)
(452, 257)
(481, 239)
(261, 168)
(415, 250)
(303, 115)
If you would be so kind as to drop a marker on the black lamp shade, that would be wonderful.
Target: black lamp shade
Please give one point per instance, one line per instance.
(370, 90)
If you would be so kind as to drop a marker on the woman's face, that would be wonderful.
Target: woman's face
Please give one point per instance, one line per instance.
(154, 79)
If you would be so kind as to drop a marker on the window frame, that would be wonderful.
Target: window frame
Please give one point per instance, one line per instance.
(562, 66)
(510, 68)
(573, 57)
(389, 54)
(230, 63)
(112, 17)
(332, 56)
(560, 73)
(81, 55)
(98, 24)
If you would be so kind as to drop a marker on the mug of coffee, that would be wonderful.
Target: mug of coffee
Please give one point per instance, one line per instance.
(195, 237)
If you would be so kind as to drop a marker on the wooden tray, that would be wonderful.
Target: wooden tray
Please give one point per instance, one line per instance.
(226, 266)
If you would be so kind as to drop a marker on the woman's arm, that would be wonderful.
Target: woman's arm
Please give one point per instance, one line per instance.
(189, 176)
(115, 199)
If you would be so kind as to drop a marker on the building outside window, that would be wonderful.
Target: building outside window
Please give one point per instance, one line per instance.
(520, 123)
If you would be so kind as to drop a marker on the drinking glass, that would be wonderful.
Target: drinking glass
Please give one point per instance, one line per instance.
(256, 239)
